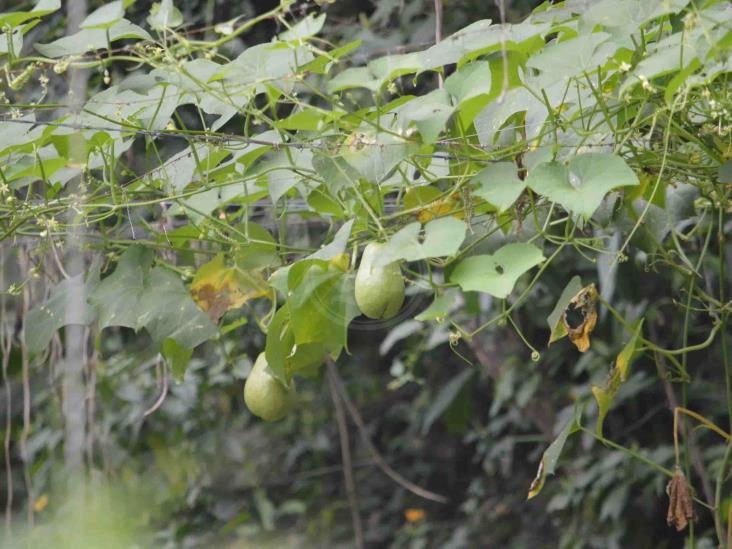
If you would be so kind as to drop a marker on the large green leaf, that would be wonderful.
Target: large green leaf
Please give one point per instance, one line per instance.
(496, 274)
(167, 311)
(499, 184)
(561, 60)
(469, 81)
(42, 7)
(337, 246)
(429, 113)
(136, 297)
(581, 186)
(374, 154)
(42, 321)
(118, 295)
(442, 237)
(92, 39)
(322, 304)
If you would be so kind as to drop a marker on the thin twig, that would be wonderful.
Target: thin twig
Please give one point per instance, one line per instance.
(347, 463)
(163, 393)
(504, 53)
(438, 35)
(363, 433)
(25, 365)
(6, 345)
(91, 385)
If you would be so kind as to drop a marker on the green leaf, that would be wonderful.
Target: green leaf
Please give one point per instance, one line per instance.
(45, 319)
(91, 39)
(724, 174)
(178, 358)
(442, 237)
(136, 297)
(335, 172)
(549, 459)
(581, 186)
(618, 376)
(118, 295)
(164, 16)
(562, 60)
(497, 274)
(469, 81)
(558, 330)
(167, 311)
(628, 15)
(373, 155)
(262, 64)
(105, 16)
(259, 252)
(440, 307)
(310, 26)
(279, 344)
(337, 246)
(355, 77)
(389, 67)
(499, 184)
(489, 121)
(477, 39)
(322, 305)
(305, 119)
(16, 36)
(429, 113)
(445, 397)
(320, 64)
(43, 7)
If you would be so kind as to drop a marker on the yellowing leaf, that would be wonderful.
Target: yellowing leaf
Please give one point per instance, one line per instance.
(585, 302)
(340, 262)
(605, 395)
(441, 208)
(41, 503)
(556, 325)
(217, 288)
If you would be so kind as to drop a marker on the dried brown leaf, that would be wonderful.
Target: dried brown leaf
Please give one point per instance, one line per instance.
(680, 503)
(585, 301)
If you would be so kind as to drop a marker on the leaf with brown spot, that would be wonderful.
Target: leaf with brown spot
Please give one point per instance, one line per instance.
(680, 503)
(586, 303)
(617, 376)
(549, 459)
(217, 288)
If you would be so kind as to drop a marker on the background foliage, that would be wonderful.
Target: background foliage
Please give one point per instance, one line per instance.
(186, 187)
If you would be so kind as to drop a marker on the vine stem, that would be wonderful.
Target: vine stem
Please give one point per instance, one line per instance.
(6, 346)
(718, 495)
(347, 461)
(363, 433)
(724, 315)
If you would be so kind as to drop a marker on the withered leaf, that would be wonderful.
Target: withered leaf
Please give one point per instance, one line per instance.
(680, 504)
(217, 288)
(586, 303)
